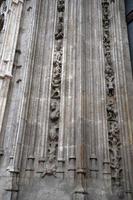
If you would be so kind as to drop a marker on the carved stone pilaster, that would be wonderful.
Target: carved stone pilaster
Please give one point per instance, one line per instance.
(54, 116)
(111, 102)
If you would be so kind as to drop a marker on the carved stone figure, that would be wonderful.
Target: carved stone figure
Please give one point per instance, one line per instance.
(54, 107)
(58, 45)
(110, 85)
(109, 71)
(53, 133)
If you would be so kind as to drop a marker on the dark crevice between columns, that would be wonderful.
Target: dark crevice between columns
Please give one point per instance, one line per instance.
(129, 19)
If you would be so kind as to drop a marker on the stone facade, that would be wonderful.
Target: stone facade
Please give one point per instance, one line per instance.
(66, 101)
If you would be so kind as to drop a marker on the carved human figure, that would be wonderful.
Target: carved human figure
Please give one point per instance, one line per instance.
(56, 77)
(51, 151)
(58, 45)
(110, 85)
(108, 58)
(50, 168)
(54, 107)
(53, 133)
(109, 71)
(60, 16)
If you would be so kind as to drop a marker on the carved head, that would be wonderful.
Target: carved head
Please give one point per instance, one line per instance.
(53, 105)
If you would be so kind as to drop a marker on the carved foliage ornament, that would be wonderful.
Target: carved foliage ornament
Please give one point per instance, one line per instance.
(112, 114)
(51, 162)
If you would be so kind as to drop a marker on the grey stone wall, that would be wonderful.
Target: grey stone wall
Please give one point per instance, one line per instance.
(66, 96)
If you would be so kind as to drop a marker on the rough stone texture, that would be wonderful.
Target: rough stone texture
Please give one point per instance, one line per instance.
(66, 94)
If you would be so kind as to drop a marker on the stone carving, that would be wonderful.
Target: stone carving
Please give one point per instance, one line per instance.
(59, 32)
(61, 6)
(3, 9)
(111, 106)
(51, 163)
(54, 116)
(54, 108)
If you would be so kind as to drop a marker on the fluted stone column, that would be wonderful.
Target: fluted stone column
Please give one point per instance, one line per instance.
(66, 94)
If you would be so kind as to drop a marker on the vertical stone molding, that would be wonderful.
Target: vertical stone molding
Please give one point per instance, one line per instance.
(123, 78)
(80, 134)
(39, 90)
(66, 94)
(54, 114)
(8, 52)
(3, 9)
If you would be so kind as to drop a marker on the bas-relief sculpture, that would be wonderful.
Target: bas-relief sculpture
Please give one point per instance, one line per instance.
(32, 167)
(111, 106)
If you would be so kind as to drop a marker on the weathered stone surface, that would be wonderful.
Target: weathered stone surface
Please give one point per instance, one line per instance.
(66, 94)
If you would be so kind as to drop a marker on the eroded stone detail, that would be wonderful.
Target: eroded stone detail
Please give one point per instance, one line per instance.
(111, 105)
(3, 8)
(51, 162)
